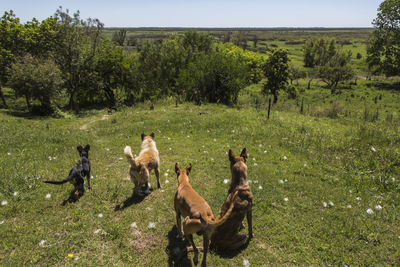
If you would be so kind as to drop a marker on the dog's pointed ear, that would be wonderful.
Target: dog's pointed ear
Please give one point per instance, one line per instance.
(188, 168)
(143, 135)
(152, 135)
(177, 168)
(244, 154)
(87, 147)
(80, 148)
(231, 155)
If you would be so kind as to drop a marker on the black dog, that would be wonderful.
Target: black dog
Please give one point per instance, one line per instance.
(78, 172)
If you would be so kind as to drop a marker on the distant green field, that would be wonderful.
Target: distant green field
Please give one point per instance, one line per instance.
(293, 40)
(326, 190)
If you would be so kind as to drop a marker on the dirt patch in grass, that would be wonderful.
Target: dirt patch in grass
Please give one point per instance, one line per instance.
(143, 242)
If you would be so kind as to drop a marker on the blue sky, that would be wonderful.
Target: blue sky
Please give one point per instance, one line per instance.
(207, 13)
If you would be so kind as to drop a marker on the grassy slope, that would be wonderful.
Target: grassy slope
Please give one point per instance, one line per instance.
(318, 159)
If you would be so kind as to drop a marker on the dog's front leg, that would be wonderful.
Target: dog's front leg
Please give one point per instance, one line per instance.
(157, 172)
(250, 221)
(178, 224)
(88, 180)
(195, 250)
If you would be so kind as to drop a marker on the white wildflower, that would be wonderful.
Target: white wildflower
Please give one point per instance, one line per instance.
(1, 222)
(167, 170)
(373, 149)
(162, 191)
(15, 194)
(41, 243)
(107, 149)
(100, 215)
(170, 148)
(97, 231)
(148, 208)
(349, 206)
(48, 196)
(169, 138)
(260, 145)
(281, 181)
(188, 136)
(49, 157)
(166, 174)
(265, 151)
(212, 159)
(205, 151)
(331, 204)
(246, 263)
(393, 179)
(249, 181)
(284, 157)
(215, 140)
(255, 164)
(254, 159)
(324, 204)
(76, 258)
(260, 187)
(226, 181)
(286, 199)
(120, 158)
(152, 225)
(370, 211)
(208, 131)
(305, 164)
(233, 131)
(358, 198)
(350, 191)
(8, 153)
(378, 207)
(166, 181)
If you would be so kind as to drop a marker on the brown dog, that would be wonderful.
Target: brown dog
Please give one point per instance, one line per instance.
(197, 214)
(142, 165)
(226, 236)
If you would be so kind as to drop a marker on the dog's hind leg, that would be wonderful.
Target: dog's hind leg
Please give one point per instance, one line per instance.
(250, 222)
(157, 172)
(195, 250)
(206, 241)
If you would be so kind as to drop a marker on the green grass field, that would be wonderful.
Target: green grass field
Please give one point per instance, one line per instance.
(326, 190)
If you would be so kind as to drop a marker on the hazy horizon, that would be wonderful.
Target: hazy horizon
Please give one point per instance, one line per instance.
(208, 14)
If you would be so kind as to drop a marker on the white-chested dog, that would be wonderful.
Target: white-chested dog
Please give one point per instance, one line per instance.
(141, 166)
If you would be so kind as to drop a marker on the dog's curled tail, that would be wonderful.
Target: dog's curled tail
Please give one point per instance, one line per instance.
(128, 154)
(221, 220)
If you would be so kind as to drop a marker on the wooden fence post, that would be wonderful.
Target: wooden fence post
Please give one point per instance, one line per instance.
(269, 106)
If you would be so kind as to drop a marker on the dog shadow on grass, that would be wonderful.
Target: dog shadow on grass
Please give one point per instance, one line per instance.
(134, 199)
(72, 198)
(176, 250)
(226, 254)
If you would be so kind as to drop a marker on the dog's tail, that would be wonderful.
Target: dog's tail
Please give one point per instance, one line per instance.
(69, 178)
(129, 156)
(221, 220)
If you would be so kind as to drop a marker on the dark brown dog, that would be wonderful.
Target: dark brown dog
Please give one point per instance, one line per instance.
(197, 214)
(226, 236)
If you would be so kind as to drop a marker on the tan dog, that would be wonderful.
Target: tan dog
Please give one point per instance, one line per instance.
(226, 236)
(197, 214)
(142, 165)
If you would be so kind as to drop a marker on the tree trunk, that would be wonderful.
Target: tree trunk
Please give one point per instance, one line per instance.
(28, 102)
(71, 103)
(275, 97)
(2, 97)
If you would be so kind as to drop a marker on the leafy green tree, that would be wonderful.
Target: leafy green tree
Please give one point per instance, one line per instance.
(77, 44)
(214, 77)
(383, 51)
(12, 45)
(336, 70)
(276, 70)
(35, 78)
(119, 37)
